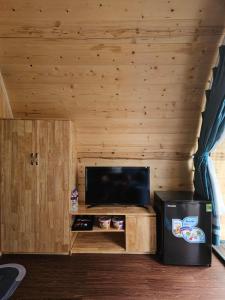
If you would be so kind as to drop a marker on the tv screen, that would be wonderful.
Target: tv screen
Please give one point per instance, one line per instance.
(117, 185)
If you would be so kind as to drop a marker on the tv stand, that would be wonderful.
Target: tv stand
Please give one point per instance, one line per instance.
(138, 236)
(143, 206)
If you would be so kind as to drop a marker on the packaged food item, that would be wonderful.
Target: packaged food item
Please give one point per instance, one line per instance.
(104, 222)
(82, 223)
(118, 222)
(74, 200)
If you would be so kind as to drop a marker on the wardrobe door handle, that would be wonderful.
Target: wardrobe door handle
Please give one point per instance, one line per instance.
(32, 159)
(36, 159)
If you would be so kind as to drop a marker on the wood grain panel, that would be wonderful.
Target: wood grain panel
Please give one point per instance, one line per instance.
(5, 113)
(115, 210)
(39, 51)
(19, 228)
(139, 140)
(177, 93)
(140, 234)
(5, 107)
(101, 242)
(131, 76)
(170, 145)
(53, 185)
(20, 25)
(130, 104)
(93, 10)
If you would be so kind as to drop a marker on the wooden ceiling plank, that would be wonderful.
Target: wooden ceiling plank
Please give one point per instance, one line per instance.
(94, 10)
(54, 52)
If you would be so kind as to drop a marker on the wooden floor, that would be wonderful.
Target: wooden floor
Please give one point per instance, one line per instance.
(88, 276)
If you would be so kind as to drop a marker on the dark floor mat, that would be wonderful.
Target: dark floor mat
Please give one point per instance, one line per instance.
(10, 277)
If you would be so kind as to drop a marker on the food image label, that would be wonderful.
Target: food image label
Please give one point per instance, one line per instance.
(176, 227)
(187, 230)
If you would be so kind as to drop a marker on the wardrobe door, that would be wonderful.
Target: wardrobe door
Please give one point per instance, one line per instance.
(53, 185)
(19, 232)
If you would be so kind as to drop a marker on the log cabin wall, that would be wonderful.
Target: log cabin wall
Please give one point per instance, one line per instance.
(132, 74)
(5, 113)
(5, 107)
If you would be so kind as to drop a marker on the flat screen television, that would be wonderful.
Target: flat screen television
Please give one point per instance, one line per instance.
(117, 185)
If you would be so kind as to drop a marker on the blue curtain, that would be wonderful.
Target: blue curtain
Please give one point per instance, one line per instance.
(212, 131)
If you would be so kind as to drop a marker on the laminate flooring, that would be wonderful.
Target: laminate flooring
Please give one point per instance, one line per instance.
(118, 276)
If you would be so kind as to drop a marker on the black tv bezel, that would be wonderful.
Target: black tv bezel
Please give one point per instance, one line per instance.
(116, 203)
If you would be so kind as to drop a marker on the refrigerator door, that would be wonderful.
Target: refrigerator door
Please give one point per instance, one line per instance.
(187, 233)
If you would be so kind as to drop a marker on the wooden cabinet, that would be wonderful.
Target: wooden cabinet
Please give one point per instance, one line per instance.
(35, 195)
(140, 234)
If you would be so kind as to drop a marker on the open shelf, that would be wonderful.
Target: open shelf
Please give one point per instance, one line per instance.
(138, 235)
(99, 242)
(98, 229)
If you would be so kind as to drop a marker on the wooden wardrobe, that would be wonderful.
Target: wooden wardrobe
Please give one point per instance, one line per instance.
(37, 175)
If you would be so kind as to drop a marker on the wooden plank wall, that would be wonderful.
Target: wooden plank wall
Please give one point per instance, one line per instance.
(132, 74)
(5, 113)
(5, 108)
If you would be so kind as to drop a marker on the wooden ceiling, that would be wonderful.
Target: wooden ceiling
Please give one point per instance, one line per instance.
(118, 65)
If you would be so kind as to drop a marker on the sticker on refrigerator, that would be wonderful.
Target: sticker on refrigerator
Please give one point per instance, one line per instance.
(208, 207)
(190, 222)
(176, 227)
(187, 230)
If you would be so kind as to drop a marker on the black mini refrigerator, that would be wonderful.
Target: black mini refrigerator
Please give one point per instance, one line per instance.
(184, 228)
